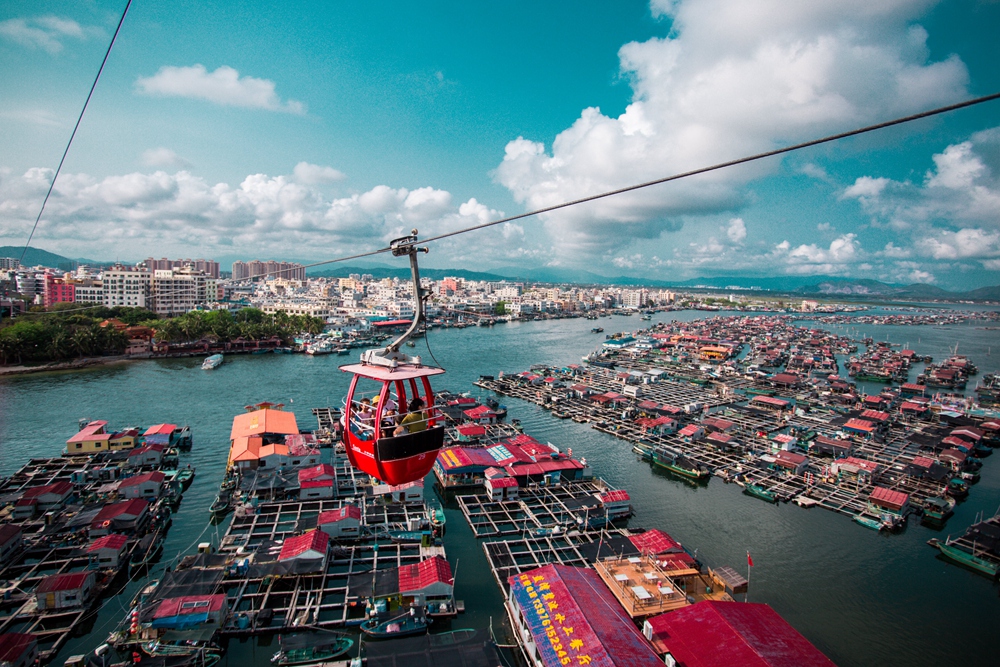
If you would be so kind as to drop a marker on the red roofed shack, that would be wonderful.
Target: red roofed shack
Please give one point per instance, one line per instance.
(567, 616)
(721, 634)
(18, 649)
(429, 582)
(108, 551)
(888, 500)
(63, 591)
(342, 523)
(310, 547)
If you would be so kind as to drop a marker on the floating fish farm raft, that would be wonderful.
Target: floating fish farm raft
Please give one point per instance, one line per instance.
(759, 402)
(73, 527)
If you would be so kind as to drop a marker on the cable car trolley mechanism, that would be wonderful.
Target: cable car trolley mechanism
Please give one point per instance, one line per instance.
(392, 430)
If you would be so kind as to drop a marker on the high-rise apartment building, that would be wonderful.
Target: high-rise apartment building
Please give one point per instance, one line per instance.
(126, 286)
(268, 270)
(207, 266)
(176, 291)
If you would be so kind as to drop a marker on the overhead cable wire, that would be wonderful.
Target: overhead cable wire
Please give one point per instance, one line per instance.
(647, 184)
(75, 128)
(667, 179)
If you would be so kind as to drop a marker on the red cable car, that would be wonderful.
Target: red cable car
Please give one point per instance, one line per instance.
(379, 440)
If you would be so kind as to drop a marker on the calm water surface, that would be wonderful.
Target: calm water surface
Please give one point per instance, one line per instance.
(863, 598)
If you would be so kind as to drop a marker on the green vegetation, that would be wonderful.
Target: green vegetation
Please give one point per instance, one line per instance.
(66, 332)
(501, 308)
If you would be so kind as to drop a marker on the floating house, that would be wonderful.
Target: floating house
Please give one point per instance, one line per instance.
(566, 616)
(317, 482)
(309, 548)
(147, 455)
(18, 649)
(65, 591)
(501, 488)
(191, 611)
(341, 524)
(720, 634)
(429, 582)
(11, 541)
(258, 437)
(108, 551)
(147, 485)
(124, 516)
(893, 502)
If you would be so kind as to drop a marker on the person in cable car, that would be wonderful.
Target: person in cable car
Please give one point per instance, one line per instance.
(415, 420)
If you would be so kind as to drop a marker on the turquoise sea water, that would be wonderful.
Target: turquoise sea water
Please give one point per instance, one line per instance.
(863, 598)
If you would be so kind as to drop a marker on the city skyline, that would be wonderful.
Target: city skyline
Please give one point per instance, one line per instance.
(314, 134)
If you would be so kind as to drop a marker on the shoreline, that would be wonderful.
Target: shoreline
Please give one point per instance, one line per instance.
(75, 364)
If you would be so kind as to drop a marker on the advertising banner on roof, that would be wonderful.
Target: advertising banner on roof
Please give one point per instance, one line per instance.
(560, 630)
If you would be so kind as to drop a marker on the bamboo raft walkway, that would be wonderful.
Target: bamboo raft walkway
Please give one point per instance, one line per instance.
(277, 521)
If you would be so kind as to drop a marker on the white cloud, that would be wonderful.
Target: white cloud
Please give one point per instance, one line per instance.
(163, 157)
(737, 230)
(44, 32)
(128, 214)
(963, 244)
(314, 174)
(732, 79)
(223, 86)
(961, 189)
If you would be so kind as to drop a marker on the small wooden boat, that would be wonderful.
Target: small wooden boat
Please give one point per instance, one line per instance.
(970, 560)
(221, 506)
(184, 477)
(310, 649)
(868, 522)
(409, 623)
(937, 510)
(957, 488)
(760, 492)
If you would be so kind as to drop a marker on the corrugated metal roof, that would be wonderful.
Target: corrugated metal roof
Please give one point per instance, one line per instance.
(115, 542)
(720, 634)
(571, 613)
(314, 540)
(416, 577)
(68, 581)
(654, 542)
(13, 645)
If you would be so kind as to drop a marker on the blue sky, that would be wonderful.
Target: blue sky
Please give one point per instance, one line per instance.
(314, 130)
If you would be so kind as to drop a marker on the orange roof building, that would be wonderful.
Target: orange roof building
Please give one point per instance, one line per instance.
(259, 434)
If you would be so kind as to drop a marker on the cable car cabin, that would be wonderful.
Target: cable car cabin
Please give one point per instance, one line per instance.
(381, 436)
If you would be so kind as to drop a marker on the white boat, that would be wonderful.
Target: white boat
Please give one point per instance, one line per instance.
(320, 347)
(211, 362)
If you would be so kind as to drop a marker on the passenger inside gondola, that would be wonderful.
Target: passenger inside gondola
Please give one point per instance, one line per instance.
(415, 419)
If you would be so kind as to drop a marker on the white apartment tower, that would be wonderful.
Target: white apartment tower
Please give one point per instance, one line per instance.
(126, 286)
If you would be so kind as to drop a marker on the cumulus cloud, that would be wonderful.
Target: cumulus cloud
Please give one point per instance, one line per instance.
(732, 79)
(44, 32)
(223, 86)
(737, 230)
(163, 157)
(130, 213)
(314, 174)
(961, 189)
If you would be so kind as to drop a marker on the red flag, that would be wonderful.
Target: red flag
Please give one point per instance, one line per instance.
(749, 560)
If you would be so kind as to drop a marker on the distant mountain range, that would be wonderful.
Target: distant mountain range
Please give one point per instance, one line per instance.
(39, 257)
(801, 286)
